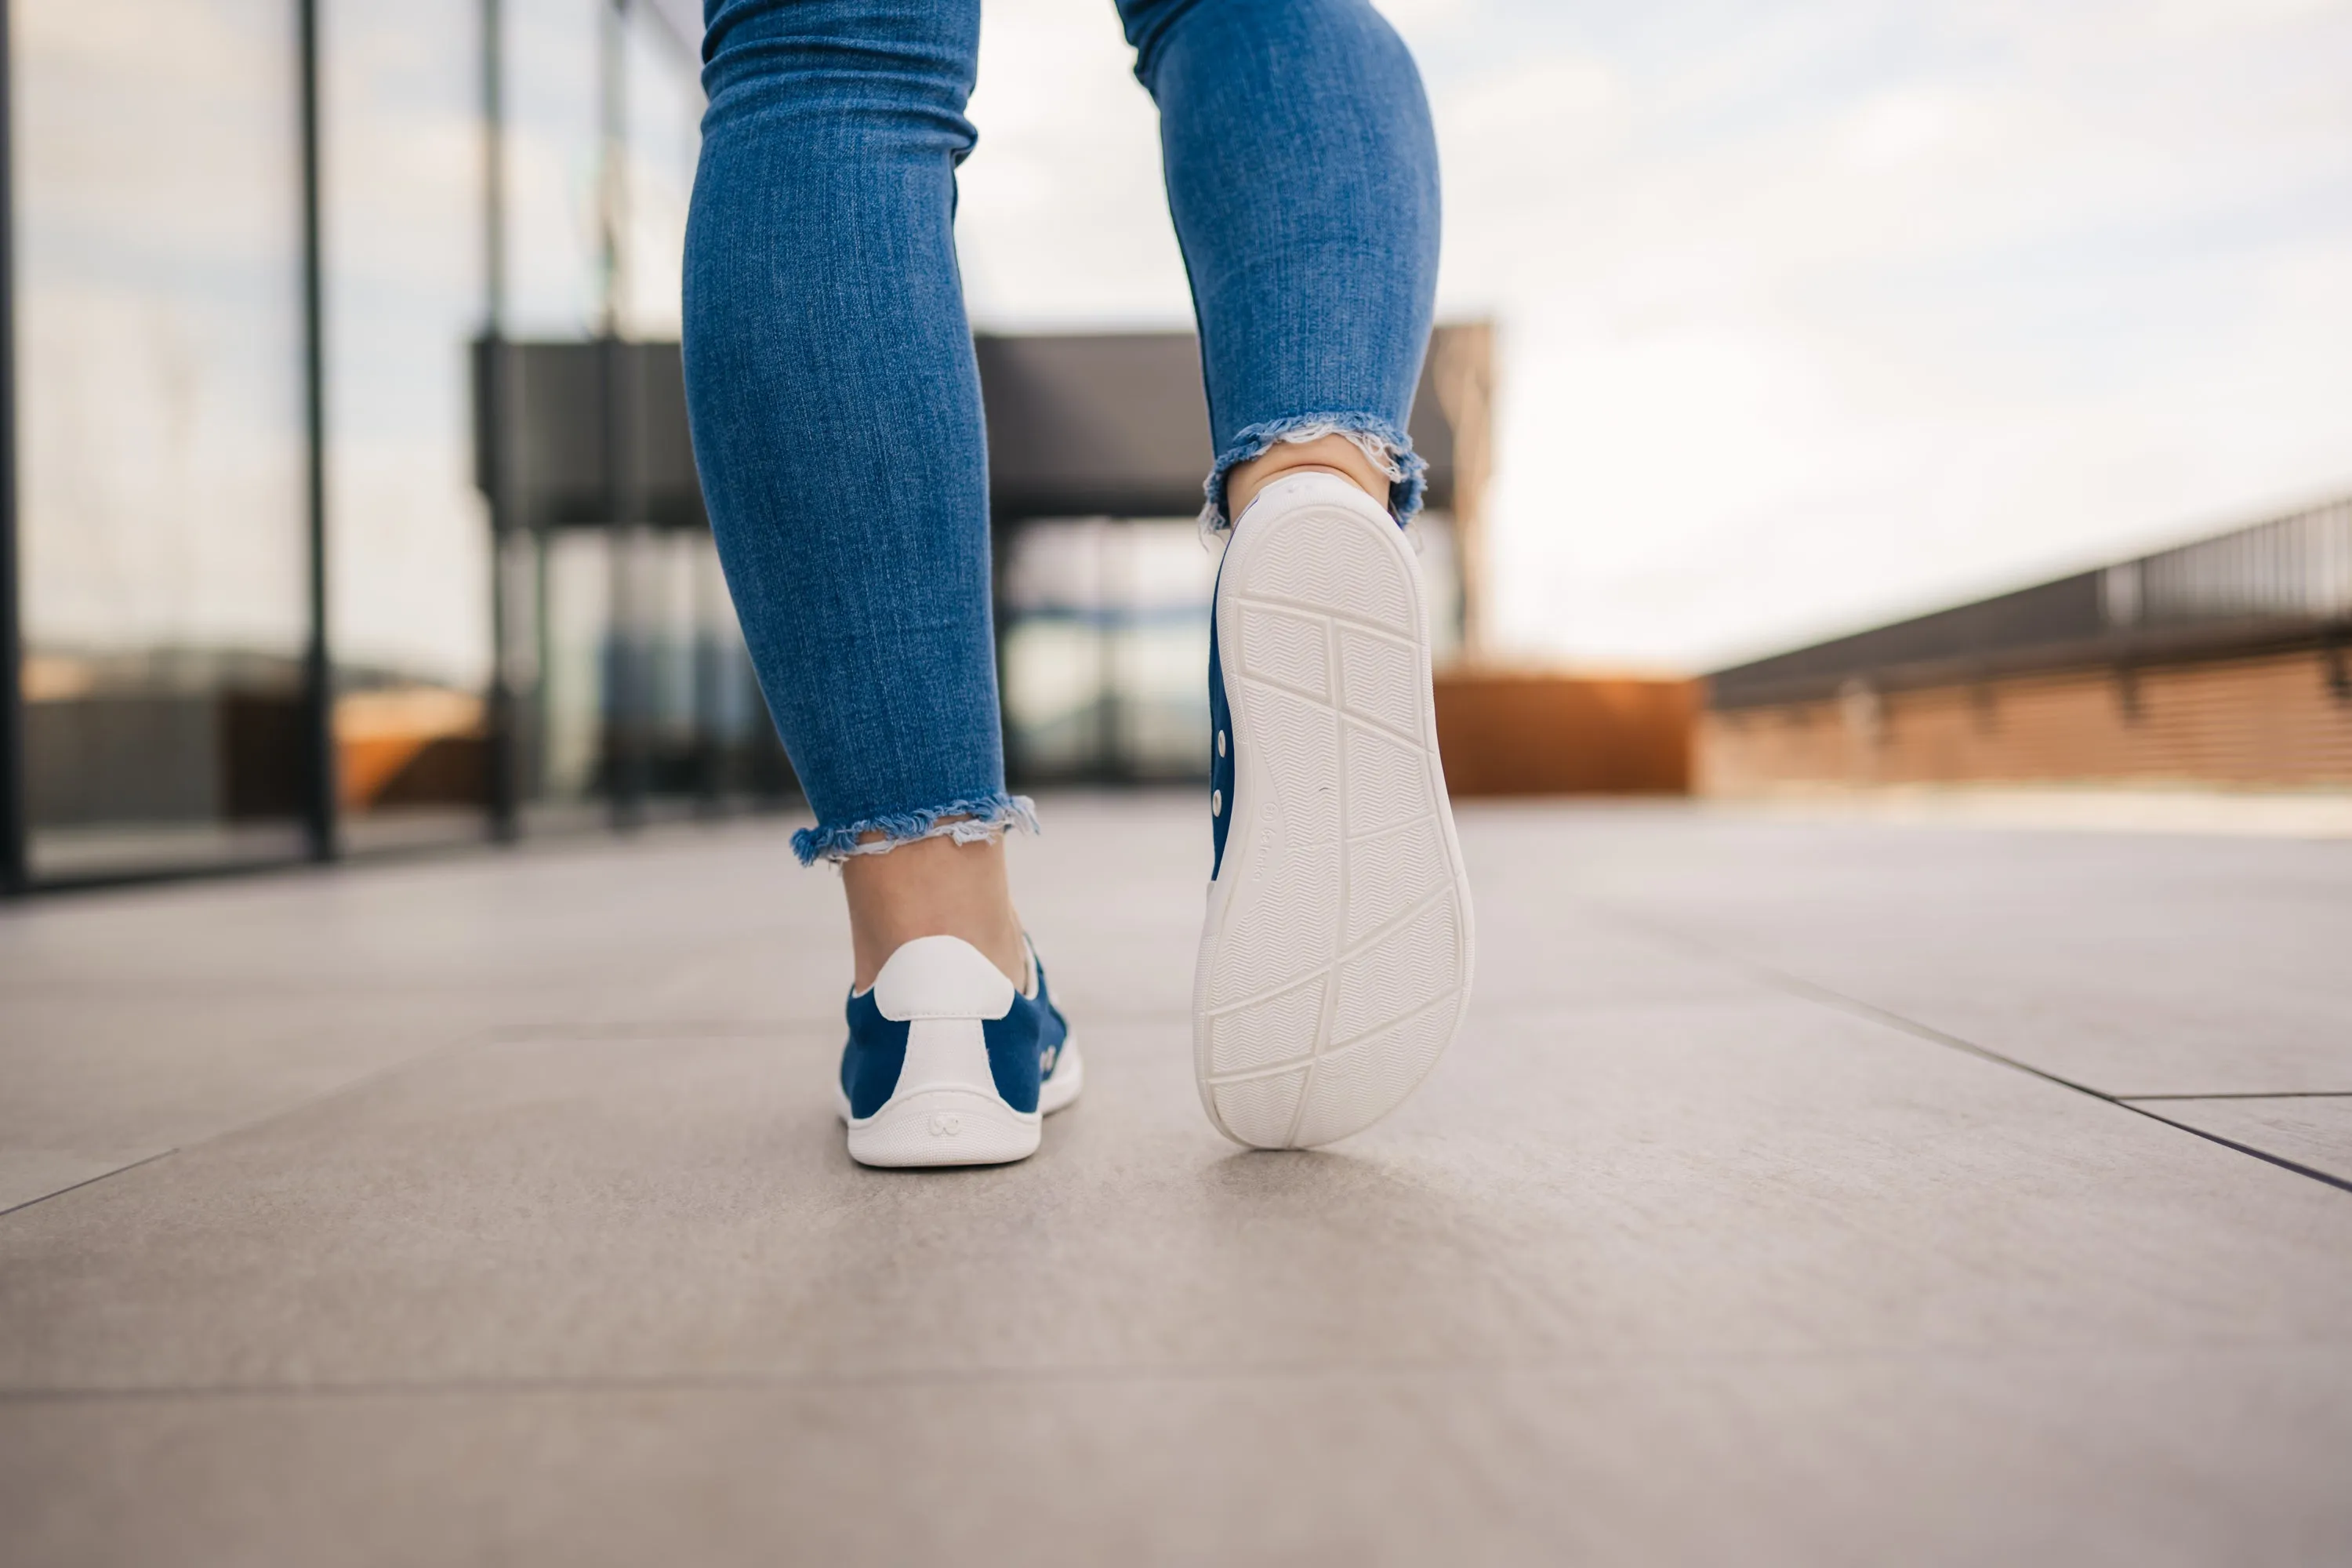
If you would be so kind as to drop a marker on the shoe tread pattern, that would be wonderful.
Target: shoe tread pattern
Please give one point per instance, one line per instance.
(1338, 973)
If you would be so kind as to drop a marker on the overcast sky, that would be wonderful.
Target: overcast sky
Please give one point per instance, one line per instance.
(1813, 315)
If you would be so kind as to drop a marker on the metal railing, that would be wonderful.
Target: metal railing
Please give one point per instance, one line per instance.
(2282, 584)
(2297, 567)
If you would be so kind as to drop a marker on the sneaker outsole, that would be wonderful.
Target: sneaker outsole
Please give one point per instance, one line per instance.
(945, 1127)
(1336, 961)
(959, 1125)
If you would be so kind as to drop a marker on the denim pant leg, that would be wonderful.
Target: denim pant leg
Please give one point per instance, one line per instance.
(1302, 174)
(835, 404)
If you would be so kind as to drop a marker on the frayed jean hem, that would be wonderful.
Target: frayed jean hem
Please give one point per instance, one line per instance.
(1389, 449)
(971, 821)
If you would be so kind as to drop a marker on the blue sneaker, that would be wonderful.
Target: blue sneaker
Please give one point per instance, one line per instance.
(1335, 963)
(948, 1065)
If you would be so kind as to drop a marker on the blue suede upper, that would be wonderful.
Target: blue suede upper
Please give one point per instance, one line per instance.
(1221, 757)
(1023, 1047)
(870, 1062)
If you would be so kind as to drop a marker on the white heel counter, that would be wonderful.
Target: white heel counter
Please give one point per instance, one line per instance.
(945, 1053)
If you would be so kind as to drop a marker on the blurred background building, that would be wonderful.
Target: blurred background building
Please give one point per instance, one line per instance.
(2223, 662)
(1096, 446)
(259, 613)
(350, 507)
(354, 508)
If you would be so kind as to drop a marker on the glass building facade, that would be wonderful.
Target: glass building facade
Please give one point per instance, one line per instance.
(264, 603)
(346, 503)
(1103, 642)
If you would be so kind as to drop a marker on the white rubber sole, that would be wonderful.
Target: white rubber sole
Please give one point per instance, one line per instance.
(1336, 961)
(1070, 1077)
(958, 1124)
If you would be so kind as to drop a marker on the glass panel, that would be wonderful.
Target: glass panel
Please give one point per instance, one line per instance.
(163, 544)
(685, 697)
(642, 690)
(555, 283)
(409, 549)
(1441, 583)
(1105, 649)
(642, 667)
(558, 592)
(663, 113)
(574, 615)
(1106, 644)
(673, 605)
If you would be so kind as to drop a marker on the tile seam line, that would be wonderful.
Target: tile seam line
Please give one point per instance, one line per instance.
(308, 1102)
(2245, 1094)
(492, 1036)
(90, 1181)
(1807, 990)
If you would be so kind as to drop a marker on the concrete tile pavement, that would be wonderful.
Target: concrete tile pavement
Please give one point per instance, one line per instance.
(1685, 1255)
(2132, 964)
(2315, 1131)
(2192, 1458)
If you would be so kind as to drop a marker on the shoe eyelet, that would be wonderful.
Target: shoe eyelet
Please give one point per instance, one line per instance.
(1221, 742)
(1216, 802)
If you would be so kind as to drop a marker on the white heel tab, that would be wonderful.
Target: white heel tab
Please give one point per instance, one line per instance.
(941, 977)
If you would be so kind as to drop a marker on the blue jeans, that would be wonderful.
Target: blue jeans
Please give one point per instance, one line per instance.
(830, 376)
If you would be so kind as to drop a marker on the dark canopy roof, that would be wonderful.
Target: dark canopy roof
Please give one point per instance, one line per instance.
(1116, 425)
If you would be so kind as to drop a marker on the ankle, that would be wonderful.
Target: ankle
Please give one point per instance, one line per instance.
(932, 886)
(1332, 454)
(996, 934)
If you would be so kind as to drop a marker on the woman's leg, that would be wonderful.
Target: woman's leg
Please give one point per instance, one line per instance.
(836, 419)
(1336, 952)
(1302, 174)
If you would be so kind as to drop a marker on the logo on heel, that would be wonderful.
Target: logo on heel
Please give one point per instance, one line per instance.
(946, 1124)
